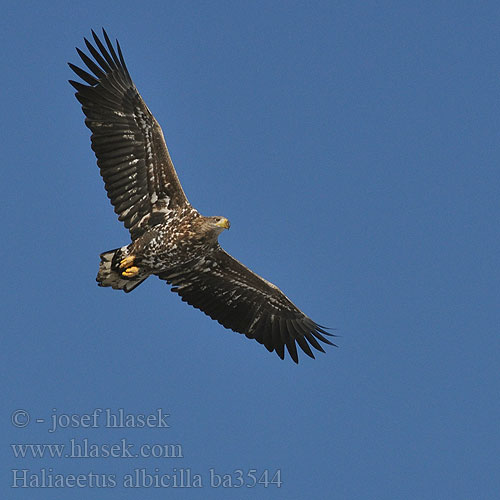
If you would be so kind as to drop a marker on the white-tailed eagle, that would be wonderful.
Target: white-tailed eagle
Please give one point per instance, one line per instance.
(170, 239)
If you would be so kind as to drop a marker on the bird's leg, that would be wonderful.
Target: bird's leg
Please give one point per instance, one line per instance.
(129, 269)
(127, 261)
(130, 272)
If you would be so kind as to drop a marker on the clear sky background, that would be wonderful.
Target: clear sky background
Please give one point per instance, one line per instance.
(355, 147)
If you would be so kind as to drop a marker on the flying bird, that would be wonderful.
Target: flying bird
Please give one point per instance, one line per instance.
(170, 239)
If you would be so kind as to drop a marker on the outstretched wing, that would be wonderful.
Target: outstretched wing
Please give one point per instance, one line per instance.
(133, 158)
(227, 291)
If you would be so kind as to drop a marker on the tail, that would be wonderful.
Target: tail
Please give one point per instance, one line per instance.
(109, 273)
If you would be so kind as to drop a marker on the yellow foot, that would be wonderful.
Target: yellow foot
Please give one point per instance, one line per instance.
(127, 261)
(130, 272)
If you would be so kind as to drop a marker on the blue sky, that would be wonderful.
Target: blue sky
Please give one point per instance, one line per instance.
(355, 148)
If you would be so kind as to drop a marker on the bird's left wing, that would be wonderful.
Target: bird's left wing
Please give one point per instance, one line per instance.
(230, 293)
(131, 152)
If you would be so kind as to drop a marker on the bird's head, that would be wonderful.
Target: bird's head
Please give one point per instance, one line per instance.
(220, 223)
(211, 227)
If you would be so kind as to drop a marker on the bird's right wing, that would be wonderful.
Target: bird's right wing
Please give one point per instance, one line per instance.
(229, 292)
(131, 152)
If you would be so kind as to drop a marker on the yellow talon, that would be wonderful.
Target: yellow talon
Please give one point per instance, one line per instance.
(127, 261)
(130, 272)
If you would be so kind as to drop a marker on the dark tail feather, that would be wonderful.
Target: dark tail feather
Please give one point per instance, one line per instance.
(109, 275)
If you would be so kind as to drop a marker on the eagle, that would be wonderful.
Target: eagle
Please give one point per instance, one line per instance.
(170, 238)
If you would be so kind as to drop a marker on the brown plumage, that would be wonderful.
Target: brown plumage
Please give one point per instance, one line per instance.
(170, 239)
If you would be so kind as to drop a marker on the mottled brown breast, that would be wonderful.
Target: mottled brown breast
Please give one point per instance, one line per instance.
(182, 237)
